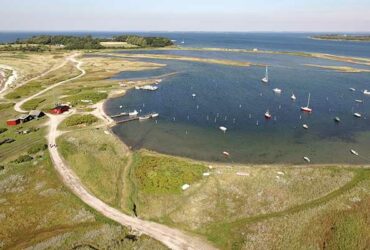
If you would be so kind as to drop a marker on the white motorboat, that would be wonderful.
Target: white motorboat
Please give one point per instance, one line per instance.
(305, 126)
(154, 115)
(366, 92)
(194, 95)
(359, 101)
(354, 152)
(307, 159)
(293, 97)
(135, 113)
(358, 115)
(352, 89)
(268, 115)
(277, 90)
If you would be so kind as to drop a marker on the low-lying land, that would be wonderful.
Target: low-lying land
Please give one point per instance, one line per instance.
(343, 37)
(343, 69)
(235, 207)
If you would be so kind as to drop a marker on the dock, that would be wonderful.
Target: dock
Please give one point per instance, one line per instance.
(119, 115)
(127, 120)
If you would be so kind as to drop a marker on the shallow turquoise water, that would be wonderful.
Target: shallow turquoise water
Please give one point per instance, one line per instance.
(235, 98)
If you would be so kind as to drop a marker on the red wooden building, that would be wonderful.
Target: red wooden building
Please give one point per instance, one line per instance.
(59, 109)
(12, 122)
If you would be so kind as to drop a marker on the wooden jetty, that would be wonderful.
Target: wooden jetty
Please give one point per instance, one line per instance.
(119, 115)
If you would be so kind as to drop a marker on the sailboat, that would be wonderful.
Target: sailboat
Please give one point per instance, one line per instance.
(307, 108)
(266, 78)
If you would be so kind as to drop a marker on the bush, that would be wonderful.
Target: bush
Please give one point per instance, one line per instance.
(33, 104)
(23, 158)
(75, 120)
(2, 167)
(37, 148)
(3, 130)
(159, 174)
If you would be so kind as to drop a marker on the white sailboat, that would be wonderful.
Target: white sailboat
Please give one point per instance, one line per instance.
(266, 78)
(307, 108)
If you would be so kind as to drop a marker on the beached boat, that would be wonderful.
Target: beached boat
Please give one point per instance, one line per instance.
(293, 97)
(337, 119)
(307, 108)
(305, 126)
(352, 89)
(266, 78)
(226, 154)
(277, 90)
(135, 113)
(358, 115)
(354, 152)
(366, 92)
(223, 129)
(307, 159)
(268, 115)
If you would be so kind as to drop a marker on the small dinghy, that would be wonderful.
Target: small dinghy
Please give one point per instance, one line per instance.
(277, 90)
(305, 126)
(359, 101)
(306, 159)
(337, 119)
(358, 115)
(352, 89)
(223, 129)
(268, 115)
(354, 152)
(194, 95)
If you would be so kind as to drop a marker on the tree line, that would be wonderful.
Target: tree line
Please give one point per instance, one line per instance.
(84, 42)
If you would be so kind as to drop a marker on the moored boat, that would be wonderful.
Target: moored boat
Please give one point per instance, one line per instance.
(307, 108)
(354, 152)
(277, 90)
(226, 154)
(223, 129)
(268, 115)
(134, 113)
(305, 126)
(358, 115)
(266, 78)
(337, 119)
(293, 97)
(352, 89)
(154, 115)
(366, 92)
(307, 159)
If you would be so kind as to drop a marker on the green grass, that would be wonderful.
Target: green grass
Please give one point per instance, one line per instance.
(98, 159)
(164, 175)
(94, 97)
(225, 234)
(33, 104)
(78, 120)
(35, 86)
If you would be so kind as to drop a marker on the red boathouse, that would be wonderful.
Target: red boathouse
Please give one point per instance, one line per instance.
(59, 109)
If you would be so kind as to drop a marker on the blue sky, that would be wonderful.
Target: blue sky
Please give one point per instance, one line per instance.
(186, 15)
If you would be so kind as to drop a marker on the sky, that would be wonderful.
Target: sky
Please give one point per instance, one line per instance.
(185, 15)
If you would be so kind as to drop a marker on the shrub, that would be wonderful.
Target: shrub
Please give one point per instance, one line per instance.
(23, 158)
(2, 130)
(2, 167)
(75, 120)
(37, 148)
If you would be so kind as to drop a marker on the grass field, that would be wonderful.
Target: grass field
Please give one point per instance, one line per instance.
(97, 158)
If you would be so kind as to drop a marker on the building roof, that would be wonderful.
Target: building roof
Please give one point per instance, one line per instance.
(23, 116)
(36, 112)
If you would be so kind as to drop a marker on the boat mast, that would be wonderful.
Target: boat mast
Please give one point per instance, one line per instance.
(267, 74)
(309, 96)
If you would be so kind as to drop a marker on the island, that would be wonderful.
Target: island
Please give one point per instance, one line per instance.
(343, 37)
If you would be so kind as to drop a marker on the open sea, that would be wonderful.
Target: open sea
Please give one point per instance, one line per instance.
(234, 97)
